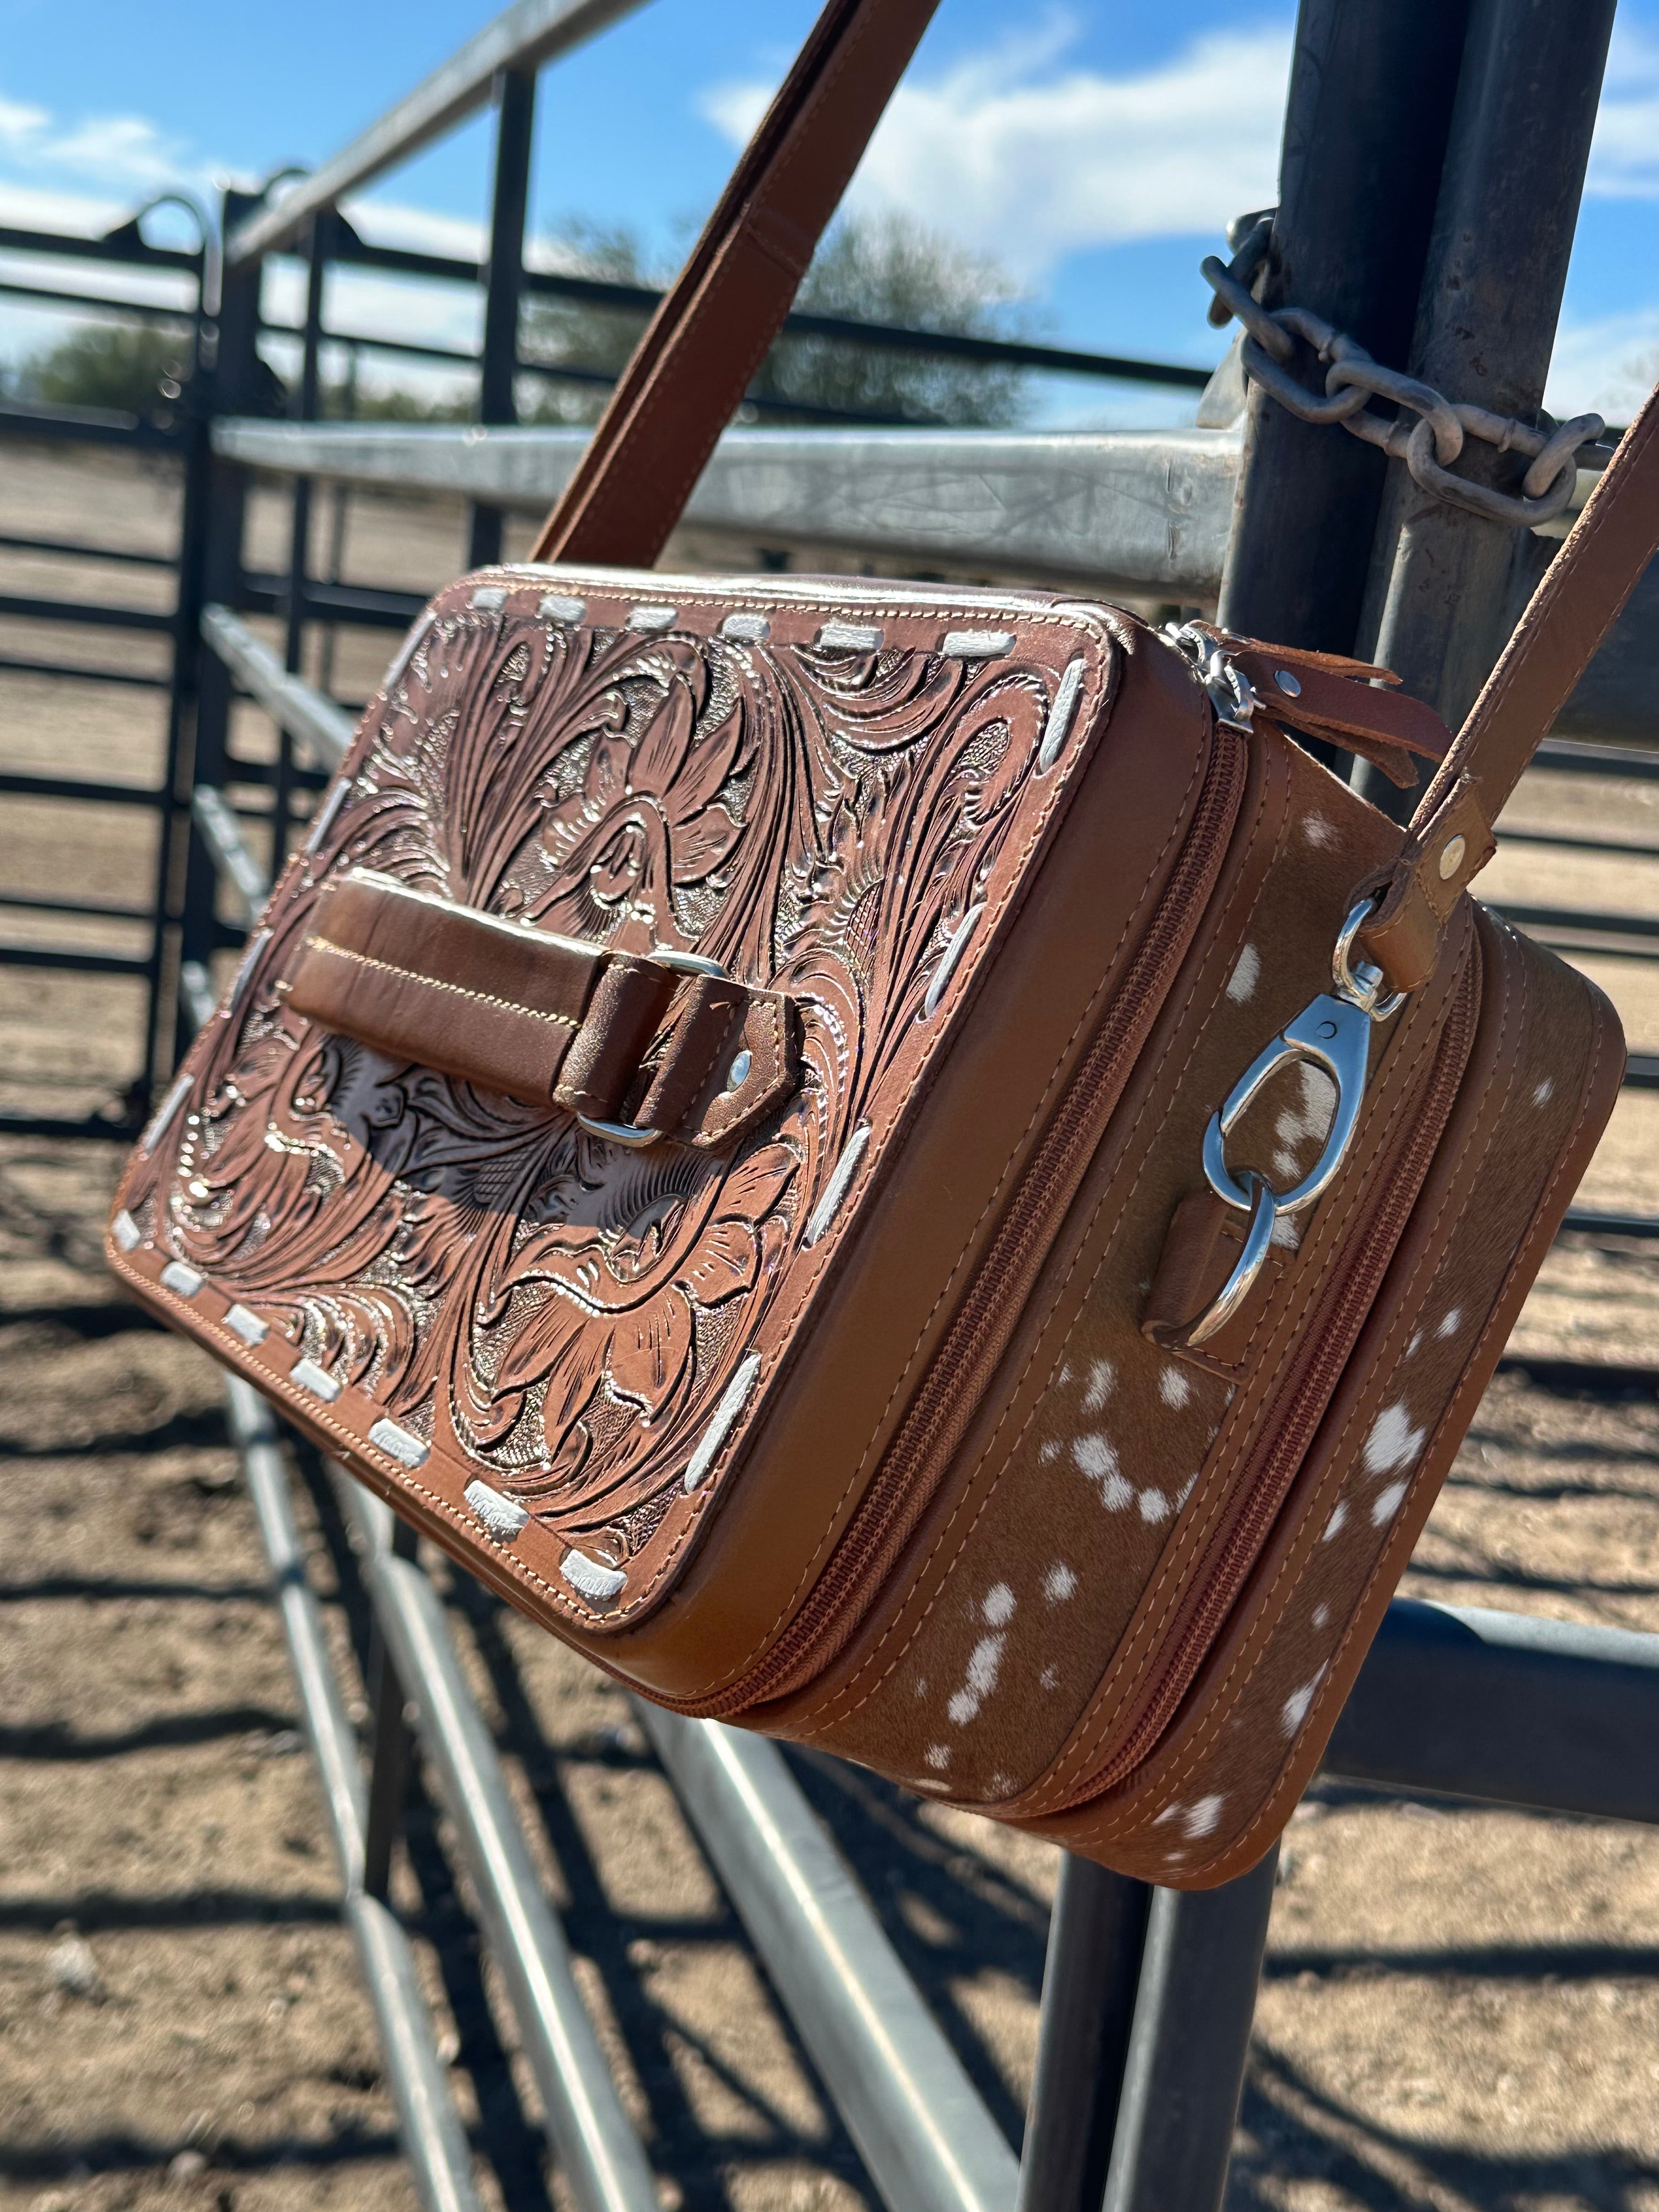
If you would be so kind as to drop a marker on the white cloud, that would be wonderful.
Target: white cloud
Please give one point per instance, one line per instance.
(38, 206)
(19, 124)
(127, 155)
(1031, 167)
(1625, 153)
(1610, 365)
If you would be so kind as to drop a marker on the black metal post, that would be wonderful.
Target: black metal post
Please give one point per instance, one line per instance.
(388, 1776)
(1491, 296)
(1187, 2047)
(1096, 1938)
(305, 408)
(339, 516)
(1372, 88)
(239, 381)
(195, 411)
(1371, 101)
(516, 119)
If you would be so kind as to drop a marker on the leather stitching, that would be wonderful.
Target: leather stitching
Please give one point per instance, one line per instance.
(990, 1202)
(319, 1415)
(958, 983)
(722, 1038)
(1434, 1258)
(1172, 1571)
(826, 1710)
(1383, 1563)
(1244, 1412)
(435, 983)
(716, 1123)
(1090, 628)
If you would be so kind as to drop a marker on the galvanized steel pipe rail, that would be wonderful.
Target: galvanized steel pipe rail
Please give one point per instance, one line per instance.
(322, 729)
(1135, 2062)
(521, 37)
(921, 2128)
(434, 2139)
(598, 2150)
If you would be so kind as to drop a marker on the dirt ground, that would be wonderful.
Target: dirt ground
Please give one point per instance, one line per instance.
(1461, 2008)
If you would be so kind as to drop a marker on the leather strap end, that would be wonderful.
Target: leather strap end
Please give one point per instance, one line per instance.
(1339, 703)
(1437, 867)
(545, 1019)
(728, 1056)
(417, 978)
(1299, 657)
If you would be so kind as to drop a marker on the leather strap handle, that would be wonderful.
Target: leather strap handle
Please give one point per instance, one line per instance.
(712, 330)
(637, 1046)
(1566, 619)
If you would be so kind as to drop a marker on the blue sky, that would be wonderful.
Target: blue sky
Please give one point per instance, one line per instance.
(1095, 150)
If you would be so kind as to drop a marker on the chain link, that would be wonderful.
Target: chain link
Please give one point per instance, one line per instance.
(1430, 431)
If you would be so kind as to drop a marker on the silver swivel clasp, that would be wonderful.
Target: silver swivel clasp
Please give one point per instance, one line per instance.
(1334, 1032)
(1229, 690)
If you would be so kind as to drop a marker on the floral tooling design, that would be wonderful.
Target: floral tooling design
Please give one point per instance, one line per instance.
(557, 1313)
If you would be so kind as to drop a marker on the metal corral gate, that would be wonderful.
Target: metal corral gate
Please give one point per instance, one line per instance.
(1413, 125)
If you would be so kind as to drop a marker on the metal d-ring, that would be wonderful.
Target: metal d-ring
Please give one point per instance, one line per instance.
(620, 1132)
(1264, 1219)
(1332, 1031)
(629, 1132)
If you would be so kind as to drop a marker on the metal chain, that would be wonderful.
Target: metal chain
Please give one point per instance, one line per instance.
(1428, 444)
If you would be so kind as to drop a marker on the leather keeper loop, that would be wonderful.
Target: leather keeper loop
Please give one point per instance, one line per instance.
(547, 1020)
(626, 1008)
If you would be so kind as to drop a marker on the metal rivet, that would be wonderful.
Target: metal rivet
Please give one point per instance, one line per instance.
(738, 1073)
(1451, 857)
(1288, 683)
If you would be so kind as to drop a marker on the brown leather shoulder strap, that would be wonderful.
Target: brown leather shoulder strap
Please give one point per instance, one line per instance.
(1566, 619)
(1568, 616)
(712, 330)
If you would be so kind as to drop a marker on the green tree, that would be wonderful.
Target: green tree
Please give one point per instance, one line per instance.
(886, 271)
(108, 365)
(893, 270)
(594, 341)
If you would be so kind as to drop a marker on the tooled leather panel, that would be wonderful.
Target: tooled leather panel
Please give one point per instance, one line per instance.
(1090, 1486)
(559, 1317)
(1540, 1083)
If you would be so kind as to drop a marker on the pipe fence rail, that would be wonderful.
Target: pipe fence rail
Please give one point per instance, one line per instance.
(1148, 1996)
